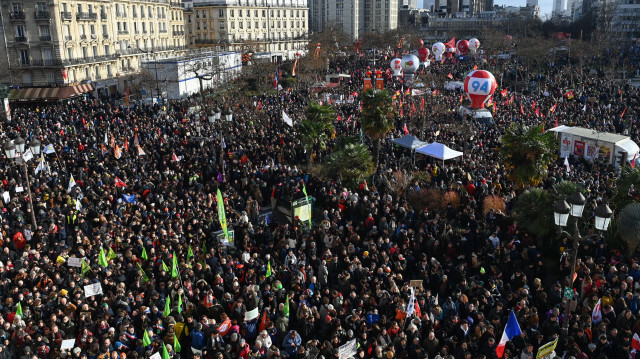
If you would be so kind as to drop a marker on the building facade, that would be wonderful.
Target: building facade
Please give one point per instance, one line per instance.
(625, 24)
(59, 43)
(356, 16)
(275, 29)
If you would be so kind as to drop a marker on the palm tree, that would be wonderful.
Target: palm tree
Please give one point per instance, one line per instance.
(320, 113)
(527, 152)
(312, 134)
(350, 161)
(628, 177)
(629, 226)
(377, 119)
(534, 211)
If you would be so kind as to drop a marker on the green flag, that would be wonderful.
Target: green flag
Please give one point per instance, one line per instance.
(19, 310)
(221, 214)
(144, 254)
(204, 246)
(144, 275)
(268, 269)
(102, 259)
(85, 268)
(176, 344)
(146, 341)
(174, 266)
(111, 254)
(189, 253)
(304, 190)
(167, 307)
(179, 303)
(164, 267)
(165, 352)
(285, 309)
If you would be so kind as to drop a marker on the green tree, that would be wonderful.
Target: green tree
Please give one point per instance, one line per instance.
(534, 213)
(320, 113)
(526, 151)
(377, 117)
(628, 226)
(350, 161)
(628, 177)
(312, 135)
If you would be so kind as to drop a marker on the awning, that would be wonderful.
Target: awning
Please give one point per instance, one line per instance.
(439, 151)
(408, 141)
(37, 94)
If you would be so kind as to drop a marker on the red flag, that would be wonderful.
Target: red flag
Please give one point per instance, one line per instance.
(405, 129)
(475, 67)
(119, 182)
(635, 342)
(450, 76)
(264, 322)
(451, 43)
(623, 111)
(556, 125)
(413, 107)
(553, 109)
(418, 311)
(569, 95)
(259, 106)
(461, 98)
(537, 112)
(401, 112)
(176, 158)
(126, 145)
(533, 105)
(339, 118)
(422, 103)
(511, 99)
(633, 161)
(521, 109)
(504, 92)
(224, 327)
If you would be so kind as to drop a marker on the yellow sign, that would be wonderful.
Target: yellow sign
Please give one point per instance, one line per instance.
(547, 349)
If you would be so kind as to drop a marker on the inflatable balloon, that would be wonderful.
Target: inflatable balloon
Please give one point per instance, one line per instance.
(410, 64)
(423, 54)
(449, 50)
(438, 50)
(420, 43)
(463, 47)
(396, 66)
(474, 44)
(479, 85)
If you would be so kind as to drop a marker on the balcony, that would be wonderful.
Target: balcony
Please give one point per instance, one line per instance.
(178, 33)
(103, 15)
(45, 38)
(68, 38)
(87, 16)
(83, 37)
(144, 31)
(89, 59)
(105, 36)
(45, 63)
(163, 31)
(42, 15)
(123, 32)
(21, 39)
(121, 14)
(205, 41)
(23, 63)
(17, 16)
(65, 15)
(175, 4)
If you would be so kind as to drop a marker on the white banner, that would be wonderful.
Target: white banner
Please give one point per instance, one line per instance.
(348, 350)
(92, 289)
(7, 109)
(6, 196)
(74, 262)
(155, 356)
(67, 344)
(250, 315)
(287, 119)
(27, 155)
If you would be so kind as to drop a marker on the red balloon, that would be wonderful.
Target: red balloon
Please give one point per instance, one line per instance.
(420, 43)
(479, 85)
(463, 46)
(423, 54)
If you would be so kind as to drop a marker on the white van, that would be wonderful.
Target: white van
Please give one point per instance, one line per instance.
(482, 115)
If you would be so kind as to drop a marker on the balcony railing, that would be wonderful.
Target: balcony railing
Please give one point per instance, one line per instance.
(178, 33)
(45, 38)
(175, 4)
(205, 41)
(103, 15)
(21, 39)
(22, 63)
(89, 59)
(121, 14)
(83, 37)
(65, 15)
(17, 16)
(105, 36)
(162, 30)
(42, 15)
(123, 32)
(46, 62)
(68, 38)
(86, 16)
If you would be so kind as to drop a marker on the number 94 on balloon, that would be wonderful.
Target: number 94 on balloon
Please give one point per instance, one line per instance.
(479, 86)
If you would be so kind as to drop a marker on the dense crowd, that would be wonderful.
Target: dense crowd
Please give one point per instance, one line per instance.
(282, 290)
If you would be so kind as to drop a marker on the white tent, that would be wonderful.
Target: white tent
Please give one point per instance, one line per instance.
(439, 151)
(408, 141)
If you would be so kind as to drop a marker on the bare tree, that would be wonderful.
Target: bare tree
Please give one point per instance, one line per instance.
(201, 68)
(138, 82)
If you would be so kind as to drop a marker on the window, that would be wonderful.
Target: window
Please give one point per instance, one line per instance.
(135, 11)
(104, 30)
(255, 13)
(84, 52)
(220, 13)
(248, 13)
(64, 7)
(106, 50)
(264, 24)
(241, 24)
(16, 7)
(257, 25)
(90, 8)
(109, 70)
(233, 25)
(79, 8)
(95, 50)
(23, 55)
(41, 6)
(231, 13)
(239, 13)
(197, 14)
(86, 73)
(20, 31)
(47, 55)
(222, 26)
(93, 29)
(26, 79)
(44, 30)
(264, 13)
(69, 53)
(51, 77)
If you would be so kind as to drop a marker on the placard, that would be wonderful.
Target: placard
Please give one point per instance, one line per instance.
(92, 289)
(578, 148)
(155, 356)
(547, 349)
(67, 344)
(19, 189)
(250, 315)
(74, 262)
(416, 283)
(6, 197)
(348, 350)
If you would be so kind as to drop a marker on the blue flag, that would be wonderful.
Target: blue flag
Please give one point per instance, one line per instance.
(131, 198)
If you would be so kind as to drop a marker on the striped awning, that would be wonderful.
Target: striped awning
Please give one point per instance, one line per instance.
(37, 94)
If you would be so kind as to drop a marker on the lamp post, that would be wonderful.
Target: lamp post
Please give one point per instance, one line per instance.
(561, 212)
(14, 150)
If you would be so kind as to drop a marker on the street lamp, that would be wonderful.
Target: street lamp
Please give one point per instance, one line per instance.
(561, 211)
(14, 150)
(217, 113)
(228, 115)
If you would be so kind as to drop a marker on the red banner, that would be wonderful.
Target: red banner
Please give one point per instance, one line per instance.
(380, 84)
(367, 84)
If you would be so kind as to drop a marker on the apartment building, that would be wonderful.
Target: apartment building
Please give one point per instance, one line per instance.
(64, 43)
(274, 29)
(355, 16)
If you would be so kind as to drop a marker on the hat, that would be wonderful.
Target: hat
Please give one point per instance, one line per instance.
(234, 336)
(77, 350)
(63, 292)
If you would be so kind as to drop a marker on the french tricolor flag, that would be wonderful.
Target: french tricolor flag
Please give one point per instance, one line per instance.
(511, 330)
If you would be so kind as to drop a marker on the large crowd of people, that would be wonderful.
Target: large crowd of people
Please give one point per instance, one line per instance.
(145, 229)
